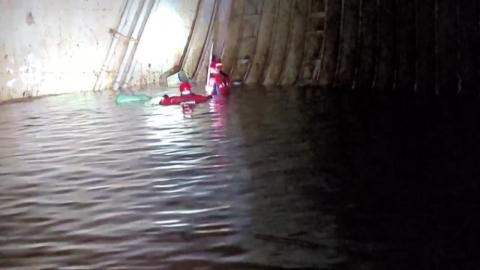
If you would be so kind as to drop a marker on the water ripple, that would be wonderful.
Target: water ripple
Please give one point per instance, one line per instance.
(88, 185)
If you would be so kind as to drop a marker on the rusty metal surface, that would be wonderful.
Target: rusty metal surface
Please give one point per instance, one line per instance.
(53, 46)
(126, 64)
(279, 42)
(126, 39)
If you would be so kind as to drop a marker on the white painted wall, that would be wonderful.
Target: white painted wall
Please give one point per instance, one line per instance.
(60, 48)
(164, 39)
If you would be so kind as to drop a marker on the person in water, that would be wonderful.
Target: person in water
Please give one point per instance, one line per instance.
(218, 83)
(186, 97)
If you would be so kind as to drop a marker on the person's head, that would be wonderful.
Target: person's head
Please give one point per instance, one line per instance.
(185, 88)
(215, 67)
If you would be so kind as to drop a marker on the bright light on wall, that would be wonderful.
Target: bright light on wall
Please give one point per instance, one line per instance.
(27, 73)
(163, 39)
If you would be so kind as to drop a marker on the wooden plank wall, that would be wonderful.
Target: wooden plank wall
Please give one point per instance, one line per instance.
(269, 42)
(199, 36)
(262, 46)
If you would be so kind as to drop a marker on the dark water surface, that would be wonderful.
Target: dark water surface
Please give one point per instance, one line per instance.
(86, 184)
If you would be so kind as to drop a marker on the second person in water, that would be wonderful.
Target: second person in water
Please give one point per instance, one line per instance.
(218, 83)
(186, 97)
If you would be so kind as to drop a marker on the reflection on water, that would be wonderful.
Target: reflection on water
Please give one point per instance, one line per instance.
(86, 183)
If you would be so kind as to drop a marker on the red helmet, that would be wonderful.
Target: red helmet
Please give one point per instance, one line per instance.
(216, 66)
(185, 88)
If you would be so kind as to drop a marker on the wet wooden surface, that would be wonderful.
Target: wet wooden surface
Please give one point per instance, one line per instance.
(230, 54)
(246, 47)
(349, 41)
(220, 27)
(204, 63)
(199, 37)
(313, 42)
(262, 47)
(279, 42)
(331, 43)
(295, 49)
(402, 47)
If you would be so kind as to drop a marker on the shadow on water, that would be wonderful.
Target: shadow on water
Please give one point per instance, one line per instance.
(355, 182)
(407, 193)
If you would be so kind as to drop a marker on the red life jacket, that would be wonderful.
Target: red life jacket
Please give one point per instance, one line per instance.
(220, 84)
(186, 99)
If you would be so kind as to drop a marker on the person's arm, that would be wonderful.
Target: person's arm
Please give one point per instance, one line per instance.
(157, 100)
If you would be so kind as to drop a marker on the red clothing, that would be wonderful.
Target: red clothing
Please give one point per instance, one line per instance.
(185, 99)
(219, 84)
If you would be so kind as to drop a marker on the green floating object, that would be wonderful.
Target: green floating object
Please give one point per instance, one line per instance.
(122, 98)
